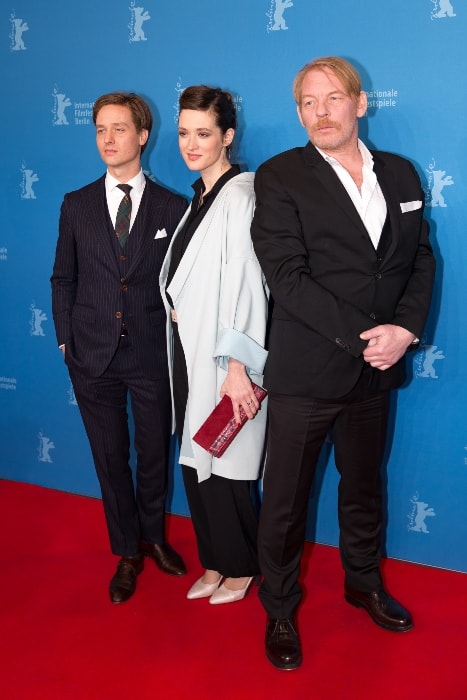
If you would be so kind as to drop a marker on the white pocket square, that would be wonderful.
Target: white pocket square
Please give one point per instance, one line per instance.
(411, 206)
(162, 233)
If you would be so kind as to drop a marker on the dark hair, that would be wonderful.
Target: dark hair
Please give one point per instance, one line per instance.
(205, 98)
(140, 112)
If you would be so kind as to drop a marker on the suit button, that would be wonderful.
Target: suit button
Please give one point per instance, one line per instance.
(373, 316)
(118, 314)
(122, 258)
(378, 276)
(124, 287)
(342, 344)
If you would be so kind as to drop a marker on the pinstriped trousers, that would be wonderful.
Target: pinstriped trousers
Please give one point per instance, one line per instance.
(134, 504)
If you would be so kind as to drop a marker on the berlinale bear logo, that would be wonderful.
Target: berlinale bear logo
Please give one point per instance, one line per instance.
(419, 511)
(138, 16)
(29, 177)
(276, 15)
(437, 181)
(443, 8)
(18, 27)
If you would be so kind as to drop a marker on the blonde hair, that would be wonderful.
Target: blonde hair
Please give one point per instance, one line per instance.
(341, 68)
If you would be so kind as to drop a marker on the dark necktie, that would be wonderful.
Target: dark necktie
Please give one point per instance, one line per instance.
(122, 222)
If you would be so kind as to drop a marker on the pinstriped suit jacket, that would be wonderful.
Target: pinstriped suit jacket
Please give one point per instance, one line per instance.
(88, 293)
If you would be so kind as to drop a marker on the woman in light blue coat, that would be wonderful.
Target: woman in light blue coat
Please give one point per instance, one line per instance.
(217, 302)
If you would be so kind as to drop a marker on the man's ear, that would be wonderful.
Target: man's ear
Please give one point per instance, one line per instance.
(300, 116)
(362, 104)
(143, 137)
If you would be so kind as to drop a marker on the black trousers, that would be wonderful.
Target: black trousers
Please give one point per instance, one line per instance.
(223, 511)
(225, 522)
(297, 429)
(133, 511)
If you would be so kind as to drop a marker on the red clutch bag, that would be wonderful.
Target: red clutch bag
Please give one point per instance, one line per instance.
(220, 427)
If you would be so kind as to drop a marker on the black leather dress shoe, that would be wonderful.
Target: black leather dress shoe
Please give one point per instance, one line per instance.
(383, 609)
(123, 584)
(165, 557)
(283, 647)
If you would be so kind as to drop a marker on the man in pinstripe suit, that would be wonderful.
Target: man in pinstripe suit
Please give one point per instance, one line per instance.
(110, 325)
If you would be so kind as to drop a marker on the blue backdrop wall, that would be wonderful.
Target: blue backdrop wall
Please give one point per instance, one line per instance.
(57, 57)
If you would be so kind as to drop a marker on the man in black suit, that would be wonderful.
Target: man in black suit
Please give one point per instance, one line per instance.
(110, 325)
(340, 236)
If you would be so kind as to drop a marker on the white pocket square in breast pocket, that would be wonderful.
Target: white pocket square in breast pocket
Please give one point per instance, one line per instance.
(411, 206)
(162, 233)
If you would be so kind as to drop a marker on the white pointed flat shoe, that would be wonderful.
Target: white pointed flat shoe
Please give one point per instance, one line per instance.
(227, 595)
(202, 590)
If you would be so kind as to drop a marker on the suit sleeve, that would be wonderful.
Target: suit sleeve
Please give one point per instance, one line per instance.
(65, 275)
(412, 310)
(280, 246)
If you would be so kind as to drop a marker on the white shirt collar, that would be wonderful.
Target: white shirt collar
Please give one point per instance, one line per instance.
(367, 158)
(137, 182)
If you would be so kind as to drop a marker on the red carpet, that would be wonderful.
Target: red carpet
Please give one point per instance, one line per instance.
(61, 638)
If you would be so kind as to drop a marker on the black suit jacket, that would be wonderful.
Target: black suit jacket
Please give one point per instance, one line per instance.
(327, 281)
(90, 298)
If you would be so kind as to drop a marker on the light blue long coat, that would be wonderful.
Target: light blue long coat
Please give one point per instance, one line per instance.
(221, 299)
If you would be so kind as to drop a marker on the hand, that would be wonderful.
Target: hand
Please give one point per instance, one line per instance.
(62, 348)
(238, 386)
(386, 345)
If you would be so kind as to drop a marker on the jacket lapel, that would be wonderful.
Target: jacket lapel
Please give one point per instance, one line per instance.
(337, 191)
(389, 189)
(196, 243)
(334, 187)
(99, 218)
(185, 264)
(148, 220)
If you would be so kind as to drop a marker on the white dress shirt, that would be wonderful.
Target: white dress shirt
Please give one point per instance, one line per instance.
(370, 202)
(115, 195)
